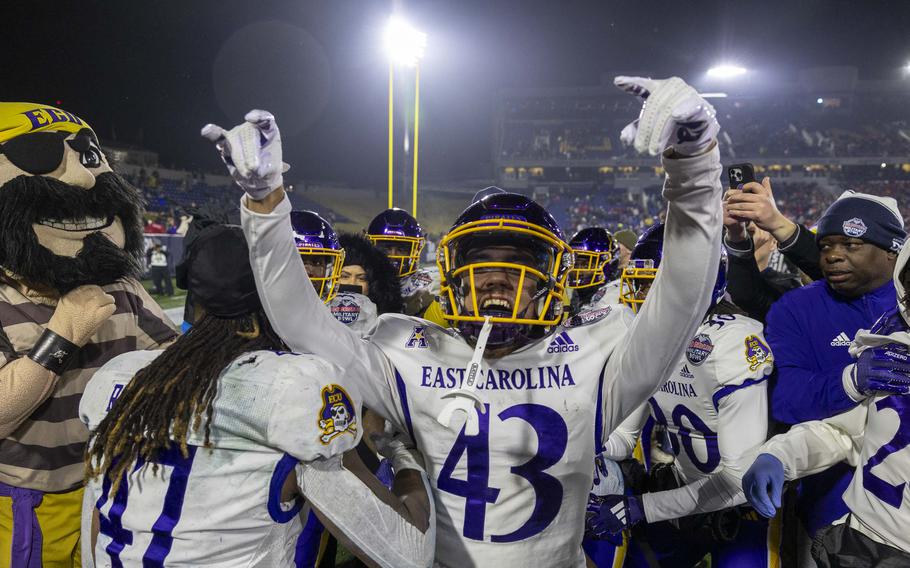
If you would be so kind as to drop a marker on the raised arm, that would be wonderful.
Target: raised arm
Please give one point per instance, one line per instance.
(676, 122)
(252, 152)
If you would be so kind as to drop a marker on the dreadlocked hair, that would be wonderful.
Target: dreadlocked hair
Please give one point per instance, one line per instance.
(169, 397)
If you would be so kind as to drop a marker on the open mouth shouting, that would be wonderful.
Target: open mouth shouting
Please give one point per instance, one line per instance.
(496, 306)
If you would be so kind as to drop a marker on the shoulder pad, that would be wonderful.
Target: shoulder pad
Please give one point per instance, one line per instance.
(298, 403)
(106, 384)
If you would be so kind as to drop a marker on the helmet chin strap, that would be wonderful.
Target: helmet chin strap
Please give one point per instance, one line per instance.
(465, 400)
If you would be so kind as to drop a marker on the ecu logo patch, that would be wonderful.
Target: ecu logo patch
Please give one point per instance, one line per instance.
(757, 353)
(337, 416)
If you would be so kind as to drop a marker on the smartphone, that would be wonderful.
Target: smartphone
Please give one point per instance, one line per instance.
(356, 288)
(740, 174)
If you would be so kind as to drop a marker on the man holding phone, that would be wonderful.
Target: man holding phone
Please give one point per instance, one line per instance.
(751, 204)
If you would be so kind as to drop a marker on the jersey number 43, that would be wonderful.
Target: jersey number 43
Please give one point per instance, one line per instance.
(552, 437)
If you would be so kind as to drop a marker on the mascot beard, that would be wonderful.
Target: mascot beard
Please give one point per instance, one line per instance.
(97, 230)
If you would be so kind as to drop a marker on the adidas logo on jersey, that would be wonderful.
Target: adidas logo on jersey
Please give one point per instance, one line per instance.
(562, 343)
(686, 373)
(842, 340)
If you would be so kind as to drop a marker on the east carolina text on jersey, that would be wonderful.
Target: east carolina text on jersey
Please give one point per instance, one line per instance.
(531, 378)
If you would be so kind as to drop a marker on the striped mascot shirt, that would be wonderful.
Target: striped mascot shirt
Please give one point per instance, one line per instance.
(45, 452)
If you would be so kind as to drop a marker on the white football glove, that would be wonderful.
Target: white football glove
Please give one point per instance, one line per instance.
(251, 152)
(673, 116)
(608, 479)
(398, 448)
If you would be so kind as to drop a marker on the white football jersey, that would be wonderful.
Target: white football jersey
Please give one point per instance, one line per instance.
(496, 488)
(714, 409)
(607, 294)
(875, 438)
(354, 310)
(221, 506)
(515, 494)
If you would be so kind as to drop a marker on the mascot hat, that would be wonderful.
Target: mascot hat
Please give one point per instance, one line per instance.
(24, 118)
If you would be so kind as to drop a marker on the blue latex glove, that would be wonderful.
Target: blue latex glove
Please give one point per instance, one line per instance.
(883, 370)
(606, 516)
(764, 483)
(384, 473)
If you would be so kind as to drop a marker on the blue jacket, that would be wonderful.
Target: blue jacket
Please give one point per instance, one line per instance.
(809, 330)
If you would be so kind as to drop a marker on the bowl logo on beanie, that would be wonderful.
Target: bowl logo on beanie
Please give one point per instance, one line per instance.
(854, 227)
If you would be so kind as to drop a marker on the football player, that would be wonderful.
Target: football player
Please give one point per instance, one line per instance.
(335, 265)
(714, 411)
(203, 454)
(320, 251)
(594, 277)
(400, 236)
(873, 438)
(512, 481)
(594, 284)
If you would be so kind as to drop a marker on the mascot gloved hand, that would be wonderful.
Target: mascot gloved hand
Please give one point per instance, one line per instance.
(69, 302)
(81, 312)
(252, 152)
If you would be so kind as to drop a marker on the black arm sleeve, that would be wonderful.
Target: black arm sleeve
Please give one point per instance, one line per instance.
(802, 251)
(747, 288)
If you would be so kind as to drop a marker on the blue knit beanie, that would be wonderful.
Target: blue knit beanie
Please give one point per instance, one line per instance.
(871, 218)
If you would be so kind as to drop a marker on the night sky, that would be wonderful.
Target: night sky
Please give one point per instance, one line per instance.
(153, 72)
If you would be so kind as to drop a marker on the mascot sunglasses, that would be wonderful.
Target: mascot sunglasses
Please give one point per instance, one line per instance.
(41, 153)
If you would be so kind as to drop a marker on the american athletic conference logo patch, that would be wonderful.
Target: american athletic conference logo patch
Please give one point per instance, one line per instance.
(418, 339)
(347, 310)
(699, 349)
(337, 416)
(854, 227)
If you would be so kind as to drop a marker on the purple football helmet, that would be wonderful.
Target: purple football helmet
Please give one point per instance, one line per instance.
(518, 240)
(400, 236)
(320, 251)
(596, 258)
(638, 276)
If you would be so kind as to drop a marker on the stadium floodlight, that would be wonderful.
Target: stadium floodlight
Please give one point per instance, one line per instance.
(726, 71)
(403, 43)
(713, 95)
(820, 100)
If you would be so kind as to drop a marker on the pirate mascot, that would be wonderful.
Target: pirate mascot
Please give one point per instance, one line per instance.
(69, 301)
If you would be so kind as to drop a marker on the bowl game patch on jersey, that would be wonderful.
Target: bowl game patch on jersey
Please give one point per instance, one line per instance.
(346, 310)
(699, 349)
(337, 416)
